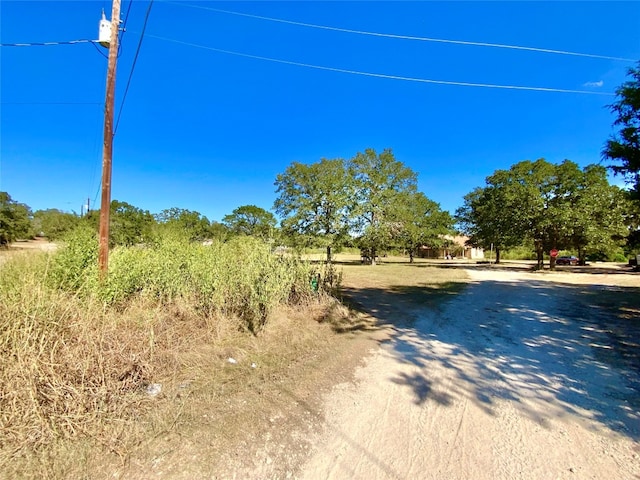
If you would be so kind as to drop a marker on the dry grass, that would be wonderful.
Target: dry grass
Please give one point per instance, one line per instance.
(74, 405)
(395, 271)
(394, 288)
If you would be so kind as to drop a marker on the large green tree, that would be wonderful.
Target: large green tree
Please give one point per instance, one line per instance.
(15, 220)
(580, 210)
(251, 220)
(129, 225)
(624, 147)
(534, 198)
(382, 185)
(485, 220)
(509, 208)
(314, 202)
(553, 206)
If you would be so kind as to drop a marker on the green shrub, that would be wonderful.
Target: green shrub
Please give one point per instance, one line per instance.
(242, 278)
(74, 266)
(619, 258)
(78, 352)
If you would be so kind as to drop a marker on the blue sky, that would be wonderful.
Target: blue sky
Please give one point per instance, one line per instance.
(207, 130)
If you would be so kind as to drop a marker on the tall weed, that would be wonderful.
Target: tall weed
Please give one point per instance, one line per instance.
(74, 267)
(241, 278)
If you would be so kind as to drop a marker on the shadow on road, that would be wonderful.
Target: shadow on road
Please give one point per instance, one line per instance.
(552, 349)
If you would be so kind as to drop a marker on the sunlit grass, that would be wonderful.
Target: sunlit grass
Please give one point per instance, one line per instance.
(394, 272)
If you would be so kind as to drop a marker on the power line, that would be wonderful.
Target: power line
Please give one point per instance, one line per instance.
(381, 75)
(126, 17)
(98, 49)
(133, 66)
(50, 103)
(405, 37)
(95, 198)
(123, 29)
(46, 44)
(68, 42)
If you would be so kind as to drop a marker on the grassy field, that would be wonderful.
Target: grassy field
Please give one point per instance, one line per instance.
(394, 285)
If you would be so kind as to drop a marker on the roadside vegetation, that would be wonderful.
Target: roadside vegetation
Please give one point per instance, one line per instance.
(81, 358)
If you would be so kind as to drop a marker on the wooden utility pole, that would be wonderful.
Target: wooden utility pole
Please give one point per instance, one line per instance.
(107, 150)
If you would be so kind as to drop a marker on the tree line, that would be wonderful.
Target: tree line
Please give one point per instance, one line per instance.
(371, 201)
(130, 225)
(548, 207)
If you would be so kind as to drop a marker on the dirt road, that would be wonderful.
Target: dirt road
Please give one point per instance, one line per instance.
(517, 377)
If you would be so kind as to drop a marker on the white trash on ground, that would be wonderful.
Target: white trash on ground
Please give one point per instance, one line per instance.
(153, 389)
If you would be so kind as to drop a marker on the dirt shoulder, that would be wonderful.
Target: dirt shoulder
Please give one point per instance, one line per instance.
(263, 423)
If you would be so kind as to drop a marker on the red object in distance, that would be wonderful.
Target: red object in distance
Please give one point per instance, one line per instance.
(553, 253)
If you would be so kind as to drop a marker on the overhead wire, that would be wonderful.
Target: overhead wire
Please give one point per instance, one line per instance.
(47, 44)
(379, 75)
(50, 103)
(126, 18)
(99, 51)
(133, 66)
(122, 30)
(402, 37)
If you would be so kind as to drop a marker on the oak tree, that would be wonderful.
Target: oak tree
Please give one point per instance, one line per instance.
(381, 185)
(314, 201)
(250, 220)
(15, 220)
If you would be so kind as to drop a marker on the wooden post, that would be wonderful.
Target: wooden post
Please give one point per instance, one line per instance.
(107, 150)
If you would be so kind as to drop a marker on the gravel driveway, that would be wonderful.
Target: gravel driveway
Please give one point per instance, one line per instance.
(520, 376)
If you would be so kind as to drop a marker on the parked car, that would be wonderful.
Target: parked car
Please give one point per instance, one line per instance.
(567, 260)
